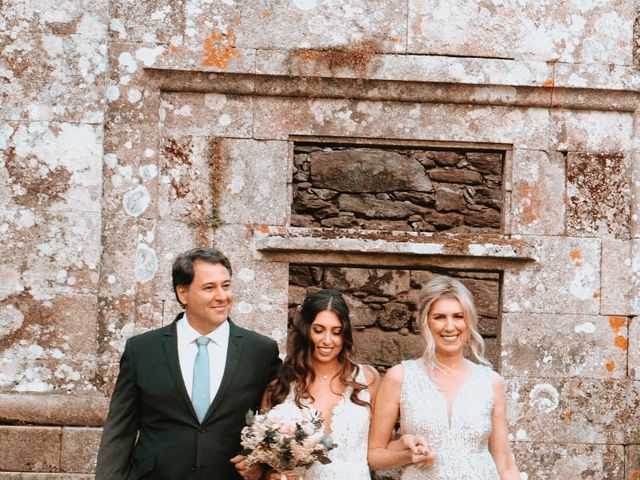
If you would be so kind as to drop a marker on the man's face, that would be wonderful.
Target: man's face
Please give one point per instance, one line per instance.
(207, 301)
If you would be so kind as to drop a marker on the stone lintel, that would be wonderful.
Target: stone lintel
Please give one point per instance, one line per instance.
(347, 244)
(52, 409)
(454, 92)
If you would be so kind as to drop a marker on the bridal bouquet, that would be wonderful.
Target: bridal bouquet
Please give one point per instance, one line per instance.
(286, 438)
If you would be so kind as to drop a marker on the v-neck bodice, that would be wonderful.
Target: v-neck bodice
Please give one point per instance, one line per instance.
(461, 442)
(349, 430)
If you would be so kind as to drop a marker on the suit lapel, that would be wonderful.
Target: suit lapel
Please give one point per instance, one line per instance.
(170, 345)
(234, 354)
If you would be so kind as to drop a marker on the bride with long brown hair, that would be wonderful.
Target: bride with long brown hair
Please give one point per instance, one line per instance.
(320, 372)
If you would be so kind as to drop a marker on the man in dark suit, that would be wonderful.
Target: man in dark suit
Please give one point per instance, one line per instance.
(183, 390)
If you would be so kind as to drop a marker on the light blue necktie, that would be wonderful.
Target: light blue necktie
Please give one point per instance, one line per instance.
(201, 384)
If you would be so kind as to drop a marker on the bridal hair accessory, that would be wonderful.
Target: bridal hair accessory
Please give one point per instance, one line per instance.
(286, 438)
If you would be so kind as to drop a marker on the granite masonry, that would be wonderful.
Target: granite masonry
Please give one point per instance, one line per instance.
(358, 145)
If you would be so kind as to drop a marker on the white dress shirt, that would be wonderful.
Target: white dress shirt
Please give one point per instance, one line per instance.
(188, 349)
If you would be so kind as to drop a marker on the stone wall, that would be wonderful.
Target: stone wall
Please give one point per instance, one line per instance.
(132, 131)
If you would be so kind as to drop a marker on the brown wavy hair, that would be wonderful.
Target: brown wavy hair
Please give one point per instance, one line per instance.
(296, 370)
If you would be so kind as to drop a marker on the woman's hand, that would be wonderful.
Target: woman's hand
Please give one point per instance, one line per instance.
(248, 472)
(421, 454)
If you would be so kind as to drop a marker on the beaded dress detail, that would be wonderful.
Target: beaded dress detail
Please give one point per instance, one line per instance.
(461, 448)
(350, 431)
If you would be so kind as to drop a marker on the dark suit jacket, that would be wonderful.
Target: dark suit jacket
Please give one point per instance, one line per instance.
(152, 431)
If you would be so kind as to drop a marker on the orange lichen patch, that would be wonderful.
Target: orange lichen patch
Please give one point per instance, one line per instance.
(219, 48)
(394, 39)
(548, 83)
(575, 254)
(610, 366)
(229, 189)
(355, 56)
(308, 55)
(262, 228)
(617, 322)
(596, 295)
(567, 415)
(634, 474)
(172, 50)
(530, 202)
(621, 342)
(265, 14)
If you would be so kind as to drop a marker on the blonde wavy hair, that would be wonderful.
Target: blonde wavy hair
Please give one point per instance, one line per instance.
(437, 288)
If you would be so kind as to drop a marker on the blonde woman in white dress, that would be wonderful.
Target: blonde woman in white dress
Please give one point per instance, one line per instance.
(451, 409)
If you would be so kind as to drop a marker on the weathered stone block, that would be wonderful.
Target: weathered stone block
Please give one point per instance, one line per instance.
(132, 95)
(191, 177)
(632, 462)
(372, 207)
(319, 24)
(44, 71)
(52, 343)
(617, 288)
(634, 348)
(155, 21)
(591, 346)
(377, 347)
(613, 77)
(442, 175)
(273, 119)
(364, 170)
(255, 187)
(389, 283)
(53, 166)
(58, 255)
(591, 131)
(534, 31)
(207, 114)
(80, 449)
(118, 276)
(632, 418)
(87, 18)
(579, 410)
(54, 409)
(30, 449)
(394, 316)
(538, 184)
(553, 461)
(598, 194)
(564, 279)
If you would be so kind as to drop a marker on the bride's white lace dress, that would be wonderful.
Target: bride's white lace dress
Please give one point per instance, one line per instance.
(461, 444)
(350, 431)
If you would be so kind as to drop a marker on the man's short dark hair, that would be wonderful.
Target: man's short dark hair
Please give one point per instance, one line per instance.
(182, 270)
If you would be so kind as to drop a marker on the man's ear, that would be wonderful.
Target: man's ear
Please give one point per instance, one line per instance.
(181, 292)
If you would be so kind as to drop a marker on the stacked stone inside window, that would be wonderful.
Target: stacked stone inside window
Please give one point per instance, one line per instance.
(402, 189)
(384, 188)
